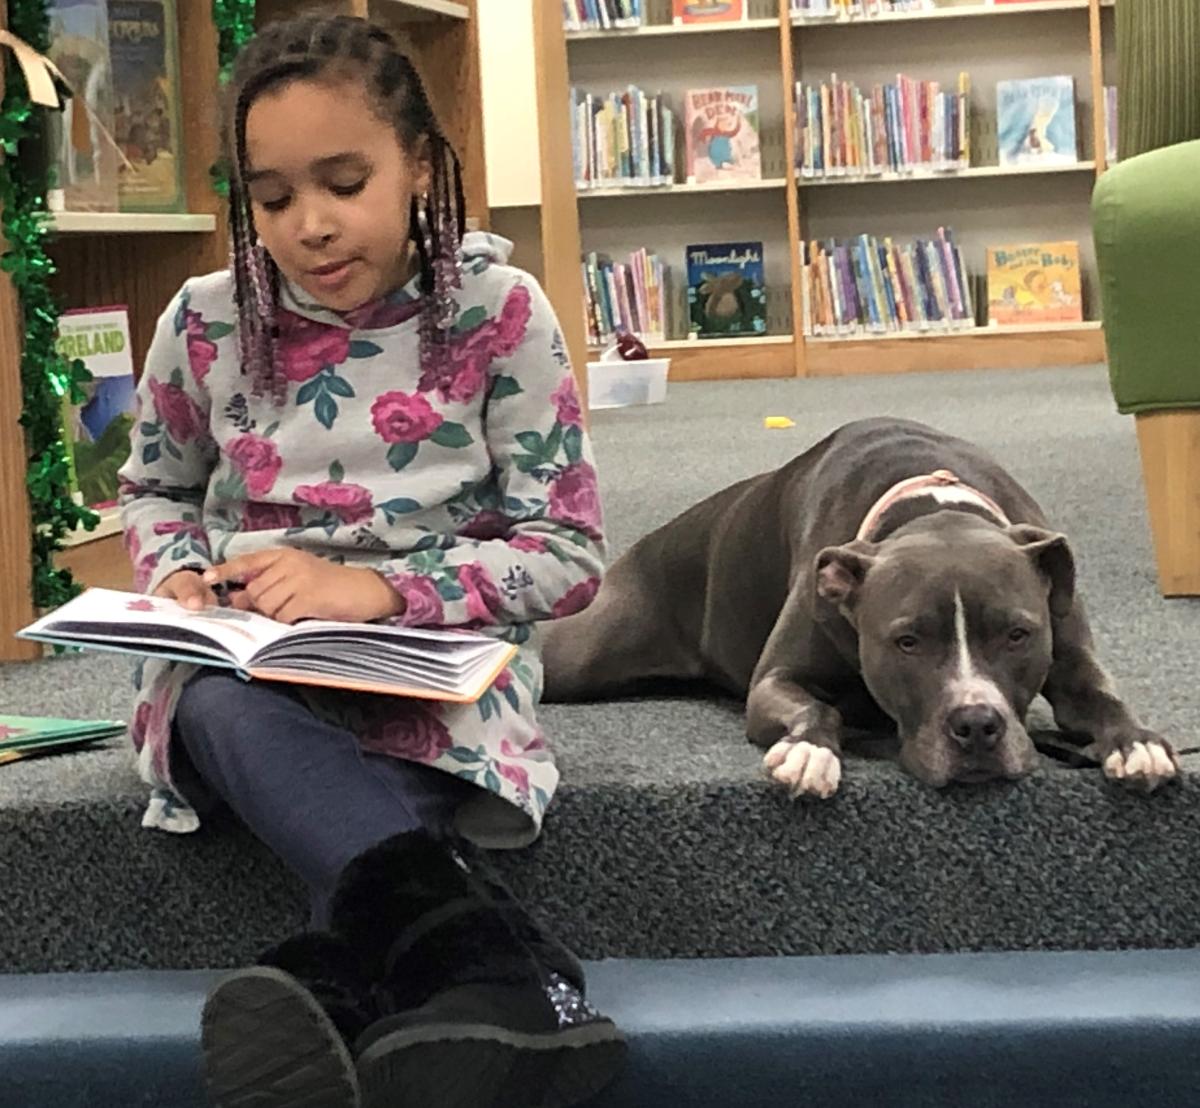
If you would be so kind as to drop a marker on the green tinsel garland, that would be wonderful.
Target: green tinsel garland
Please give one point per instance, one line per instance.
(46, 377)
(234, 20)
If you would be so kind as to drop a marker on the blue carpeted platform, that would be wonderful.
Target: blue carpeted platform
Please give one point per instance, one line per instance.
(1037, 1030)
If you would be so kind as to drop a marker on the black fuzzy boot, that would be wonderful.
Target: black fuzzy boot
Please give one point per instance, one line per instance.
(486, 1009)
(277, 1033)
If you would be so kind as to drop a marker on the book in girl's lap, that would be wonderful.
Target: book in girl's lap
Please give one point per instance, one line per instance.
(369, 417)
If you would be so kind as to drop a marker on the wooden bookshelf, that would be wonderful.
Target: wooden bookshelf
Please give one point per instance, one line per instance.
(985, 204)
(142, 260)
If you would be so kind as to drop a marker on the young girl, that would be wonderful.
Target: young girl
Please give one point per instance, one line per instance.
(368, 417)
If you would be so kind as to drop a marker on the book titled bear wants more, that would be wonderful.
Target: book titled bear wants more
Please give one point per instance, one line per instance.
(457, 666)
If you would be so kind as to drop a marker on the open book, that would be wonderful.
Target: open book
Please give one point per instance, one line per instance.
(370, 657)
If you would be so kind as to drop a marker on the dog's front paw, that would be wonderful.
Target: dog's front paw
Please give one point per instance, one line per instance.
(1143, 762)
(803, 768)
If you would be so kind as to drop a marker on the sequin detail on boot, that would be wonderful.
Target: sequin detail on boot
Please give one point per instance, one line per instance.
(567, 1001)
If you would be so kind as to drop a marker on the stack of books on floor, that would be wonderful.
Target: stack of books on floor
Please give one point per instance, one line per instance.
(868, 286)
(844, 131)
(31, 736)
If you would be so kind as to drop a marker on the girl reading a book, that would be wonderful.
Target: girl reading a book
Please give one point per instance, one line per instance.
(369, 416)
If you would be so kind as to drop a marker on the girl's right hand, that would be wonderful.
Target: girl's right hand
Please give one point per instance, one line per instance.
(188, 587)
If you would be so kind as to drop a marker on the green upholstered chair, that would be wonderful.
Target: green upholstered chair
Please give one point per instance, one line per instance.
(1146, 224)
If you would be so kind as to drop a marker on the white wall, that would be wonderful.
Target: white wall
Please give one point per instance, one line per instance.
(510, 116)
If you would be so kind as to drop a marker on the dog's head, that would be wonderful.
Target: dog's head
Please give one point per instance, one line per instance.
(954, 623)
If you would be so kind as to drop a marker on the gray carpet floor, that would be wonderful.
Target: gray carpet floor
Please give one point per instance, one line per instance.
(665, 839)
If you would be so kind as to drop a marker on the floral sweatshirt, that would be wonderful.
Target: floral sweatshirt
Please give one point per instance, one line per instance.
(469, 485)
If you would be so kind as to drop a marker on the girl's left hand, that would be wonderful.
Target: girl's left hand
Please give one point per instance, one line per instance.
(288, 584)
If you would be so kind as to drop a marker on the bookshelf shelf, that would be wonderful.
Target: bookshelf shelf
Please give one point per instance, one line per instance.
(656, 30)
(965, 332)
(975, 171)
(685, 189)
(968, 11)
(113, 223)
(423, 9)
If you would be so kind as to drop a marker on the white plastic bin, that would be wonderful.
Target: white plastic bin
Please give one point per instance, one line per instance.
(619, 384)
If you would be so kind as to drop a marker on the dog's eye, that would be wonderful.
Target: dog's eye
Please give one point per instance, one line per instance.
(1018, 636)
(907, 643)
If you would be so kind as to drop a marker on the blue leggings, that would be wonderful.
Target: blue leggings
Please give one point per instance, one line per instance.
(303, 787)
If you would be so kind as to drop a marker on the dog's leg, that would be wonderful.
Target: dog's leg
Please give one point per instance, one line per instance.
(800, 732)
(1085, 702)
(624, 635)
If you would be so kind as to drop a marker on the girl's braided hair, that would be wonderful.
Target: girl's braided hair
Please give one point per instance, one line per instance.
(311, 47)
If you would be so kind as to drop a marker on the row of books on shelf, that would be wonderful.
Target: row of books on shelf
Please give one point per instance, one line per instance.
(876, 286)
(861, 286)
(621, 15)
(121, 61)
(824, 10)
(725, 293)
(896, 128)
(629, 138)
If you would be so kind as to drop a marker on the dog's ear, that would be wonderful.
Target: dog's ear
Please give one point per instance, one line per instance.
(839, 571)
(1051, 555)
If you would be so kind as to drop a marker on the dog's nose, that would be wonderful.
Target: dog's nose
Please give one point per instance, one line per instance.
(975, 726)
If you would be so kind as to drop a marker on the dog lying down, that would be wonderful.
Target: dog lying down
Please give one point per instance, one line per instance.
(890, 569)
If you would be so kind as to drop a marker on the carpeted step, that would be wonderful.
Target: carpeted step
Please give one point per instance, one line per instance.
(665, 842)
(992, 1031)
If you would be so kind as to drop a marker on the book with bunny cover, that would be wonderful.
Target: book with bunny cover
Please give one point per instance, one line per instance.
(727, 293)
(1035, 121)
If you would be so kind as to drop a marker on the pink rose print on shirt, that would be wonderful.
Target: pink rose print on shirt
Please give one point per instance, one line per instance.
(261, 516)
(516, 774)
(530, 544)
(575, 498)
(257, 460)
(566, 399)
(415, 732)
(422, 602)
(180, 529)
(202, 351)
(306, 347)
(482, 596)
(461, 373)
(401, 417)
(576, 598)
(350, 503)
(513, 321)
(143, 571)
(177, 410)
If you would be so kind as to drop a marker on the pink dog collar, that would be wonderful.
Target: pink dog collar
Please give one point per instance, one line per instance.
(942, 485)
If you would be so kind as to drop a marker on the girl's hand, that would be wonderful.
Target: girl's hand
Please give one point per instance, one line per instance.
(188, 587)
(288, 584)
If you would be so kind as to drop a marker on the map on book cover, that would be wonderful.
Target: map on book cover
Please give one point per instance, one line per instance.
(727, 292)
(1034, 283)
(721, 133)
(1035, 121)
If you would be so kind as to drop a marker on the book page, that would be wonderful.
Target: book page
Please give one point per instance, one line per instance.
(121, 617)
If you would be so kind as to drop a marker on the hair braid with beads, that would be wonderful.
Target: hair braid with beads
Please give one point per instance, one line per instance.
(320, 47)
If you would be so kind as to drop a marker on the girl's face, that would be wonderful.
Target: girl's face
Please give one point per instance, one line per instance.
(330, 187)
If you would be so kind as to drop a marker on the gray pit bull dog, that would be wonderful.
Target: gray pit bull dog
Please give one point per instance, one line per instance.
(891, 567)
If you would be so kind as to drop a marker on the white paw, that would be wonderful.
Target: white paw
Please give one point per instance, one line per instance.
(1145, 766)
(803, 768)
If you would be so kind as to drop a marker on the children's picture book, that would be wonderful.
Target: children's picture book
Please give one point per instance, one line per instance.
(457, 666)
(97, 431)
(708, 11)
(721, 134)
(29, 736)
(83, 161)
(1034, 283)
(727, 293)
(1035, 121)
(143, 40)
